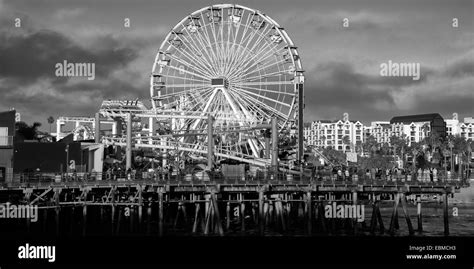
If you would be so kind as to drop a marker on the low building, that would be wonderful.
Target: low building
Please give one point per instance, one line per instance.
(7, 133)
(417, 127)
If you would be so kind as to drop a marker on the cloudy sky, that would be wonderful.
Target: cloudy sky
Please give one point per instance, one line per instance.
(342, 64)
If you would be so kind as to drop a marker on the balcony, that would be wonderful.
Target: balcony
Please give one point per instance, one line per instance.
(6, 141)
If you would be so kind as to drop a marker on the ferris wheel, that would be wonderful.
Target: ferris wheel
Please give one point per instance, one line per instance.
(231, 62)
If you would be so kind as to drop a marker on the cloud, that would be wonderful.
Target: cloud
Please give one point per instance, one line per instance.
(68, 13)
(338, 87)
(27, 57)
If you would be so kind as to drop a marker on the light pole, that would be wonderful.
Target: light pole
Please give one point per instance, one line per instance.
(445, 153)
(469, 153)
(451, 146)
(67, 158)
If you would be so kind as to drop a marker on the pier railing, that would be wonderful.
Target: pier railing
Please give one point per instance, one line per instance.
(51, 179)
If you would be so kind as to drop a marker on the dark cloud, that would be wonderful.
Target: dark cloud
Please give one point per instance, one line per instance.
(334, 88)
(32, 55)
(337, 87)
(80, 99)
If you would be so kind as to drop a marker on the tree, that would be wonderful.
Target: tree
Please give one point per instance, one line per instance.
(399, 145)
(416, 149)
(385, 149)
(334, 156)
(370, 145)
(346, 141)
(50, 121)
(27, 132)
(323, 138)
(358, 147)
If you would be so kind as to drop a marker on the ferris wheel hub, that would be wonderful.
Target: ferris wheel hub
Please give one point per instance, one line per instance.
(220, 82)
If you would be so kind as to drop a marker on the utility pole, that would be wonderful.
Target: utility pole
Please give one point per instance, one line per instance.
(275, 145)
(210, 142)
(128, 158)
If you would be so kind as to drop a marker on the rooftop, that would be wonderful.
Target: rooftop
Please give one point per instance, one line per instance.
(415, 118)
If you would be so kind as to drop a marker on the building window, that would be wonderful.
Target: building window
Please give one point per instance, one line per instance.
(4, 136)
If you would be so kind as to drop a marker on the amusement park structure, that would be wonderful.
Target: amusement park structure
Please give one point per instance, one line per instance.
(225, 80)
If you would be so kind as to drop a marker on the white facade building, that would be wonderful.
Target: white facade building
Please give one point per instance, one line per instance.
(325, 133)
(456, 127)
(415, 128)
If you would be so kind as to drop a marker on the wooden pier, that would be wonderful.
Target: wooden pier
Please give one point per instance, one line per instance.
(219, 208)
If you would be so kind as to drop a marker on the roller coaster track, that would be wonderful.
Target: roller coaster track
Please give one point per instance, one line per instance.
(181, 146)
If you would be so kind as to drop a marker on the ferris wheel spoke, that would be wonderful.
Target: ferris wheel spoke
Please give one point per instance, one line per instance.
(243, 56)
(193, 50)
(183, 60)
(200, 97)
(204, 61)
(184, 53)
(261, 33)
(268, 46)
(268, 84)
(253, 63)
(189, 72)
(260, 77)
(249, 104)
(202, 40)
(199, 73)
(228, 52)
(241, 90)
(207, 40)
(181, 78)
(214, 35)
(261, 68)
(255, 79)
(215, 51)
(261, 105)
(259, 59)
(170, 95)
(238, 51)
(243, 51)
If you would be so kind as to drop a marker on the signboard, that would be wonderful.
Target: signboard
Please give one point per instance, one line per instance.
(351, 157)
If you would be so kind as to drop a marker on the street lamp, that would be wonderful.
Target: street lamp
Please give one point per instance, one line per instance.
(67, 157)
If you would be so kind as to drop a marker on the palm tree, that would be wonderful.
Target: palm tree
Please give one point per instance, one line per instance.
(460, 145)
(345, 141)
(50, 121)
(425, 128)
(370, 144)
(358, 147)
(398, 143)
(323, 138)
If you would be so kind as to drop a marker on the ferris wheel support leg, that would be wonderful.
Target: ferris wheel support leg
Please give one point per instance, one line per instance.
(129, 142)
